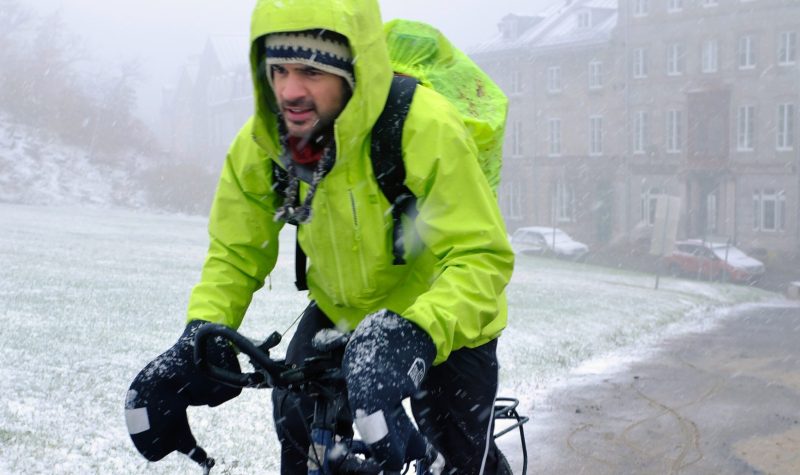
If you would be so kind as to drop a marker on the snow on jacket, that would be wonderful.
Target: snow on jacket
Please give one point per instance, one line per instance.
(458, 256)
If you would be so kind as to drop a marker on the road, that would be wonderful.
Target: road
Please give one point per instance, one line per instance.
(723, 401)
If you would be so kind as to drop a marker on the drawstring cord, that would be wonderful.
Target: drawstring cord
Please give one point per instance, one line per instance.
(289, 211)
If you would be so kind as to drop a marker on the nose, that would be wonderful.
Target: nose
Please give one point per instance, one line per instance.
(291, 88)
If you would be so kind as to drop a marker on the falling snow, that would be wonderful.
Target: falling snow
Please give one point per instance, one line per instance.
(89, 296)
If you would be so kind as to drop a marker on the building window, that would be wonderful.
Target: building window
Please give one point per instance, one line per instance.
(565, 202)
(769, 210)
(747, 55)
(509, 28)
(711, 212)
(640, 131)
(554, 79)
(640, 63)
(675, 59)
(584, 19)
(516, 81)
(640, 7)
(675, 6)
(787, 48)
(554, 137)
(785, 126)
(745, 120)
(516, 138)
(649, 200)
(710, 56)
(511, 193)
(596, 135)
(595, 75)
(674, 131)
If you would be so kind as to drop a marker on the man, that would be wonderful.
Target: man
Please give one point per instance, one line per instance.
(427, 329)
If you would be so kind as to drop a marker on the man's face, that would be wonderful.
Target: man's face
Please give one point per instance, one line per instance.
(309, 99)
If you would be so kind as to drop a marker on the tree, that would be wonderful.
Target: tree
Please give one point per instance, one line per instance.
(114, 123)
(13, 21)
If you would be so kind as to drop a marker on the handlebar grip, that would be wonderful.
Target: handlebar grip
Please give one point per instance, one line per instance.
(222, 375)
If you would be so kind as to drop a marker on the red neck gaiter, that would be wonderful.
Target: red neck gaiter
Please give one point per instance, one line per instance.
(305, 152)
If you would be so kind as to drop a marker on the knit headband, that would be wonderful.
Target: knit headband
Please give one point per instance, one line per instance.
(321, 49)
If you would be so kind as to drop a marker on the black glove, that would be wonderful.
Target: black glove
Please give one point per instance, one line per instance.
(155, 407)
(384, 363)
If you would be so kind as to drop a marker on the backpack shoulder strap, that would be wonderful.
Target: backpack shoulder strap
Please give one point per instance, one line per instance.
(387, 138)
(386, 154)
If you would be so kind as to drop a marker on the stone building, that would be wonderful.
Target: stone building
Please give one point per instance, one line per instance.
(614, 103)
(210, 102)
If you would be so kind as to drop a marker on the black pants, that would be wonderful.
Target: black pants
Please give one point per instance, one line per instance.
(453, 409)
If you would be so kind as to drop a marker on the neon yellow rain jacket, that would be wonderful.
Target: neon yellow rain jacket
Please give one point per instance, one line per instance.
(458, 257)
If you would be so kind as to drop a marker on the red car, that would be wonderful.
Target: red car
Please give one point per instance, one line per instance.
(713, 261)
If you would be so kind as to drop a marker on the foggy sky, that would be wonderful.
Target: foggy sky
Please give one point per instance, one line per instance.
(162, 34)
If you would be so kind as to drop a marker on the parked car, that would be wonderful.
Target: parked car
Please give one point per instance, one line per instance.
(713, 260)
(543, 240)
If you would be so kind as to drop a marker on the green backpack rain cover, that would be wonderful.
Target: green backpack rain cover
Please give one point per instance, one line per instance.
(421, 51)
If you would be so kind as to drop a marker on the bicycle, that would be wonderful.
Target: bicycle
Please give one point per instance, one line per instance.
(320, 377)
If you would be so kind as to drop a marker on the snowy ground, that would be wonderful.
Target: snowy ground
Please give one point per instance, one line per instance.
(89, 296)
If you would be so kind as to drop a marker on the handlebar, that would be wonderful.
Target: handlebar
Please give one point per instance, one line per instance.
(269, 373)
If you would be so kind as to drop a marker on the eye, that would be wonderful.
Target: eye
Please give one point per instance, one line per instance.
(313, 72)
(277, 69)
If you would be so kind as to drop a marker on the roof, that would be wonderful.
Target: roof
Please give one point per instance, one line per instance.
(556, 26)
(711, 243)
(540, 229)
(188, 71)
(232, 51)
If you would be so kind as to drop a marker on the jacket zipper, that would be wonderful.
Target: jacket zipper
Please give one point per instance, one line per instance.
(336, 258)
(359, 250)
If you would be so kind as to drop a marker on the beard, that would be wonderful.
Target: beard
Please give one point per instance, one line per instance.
(308, 129)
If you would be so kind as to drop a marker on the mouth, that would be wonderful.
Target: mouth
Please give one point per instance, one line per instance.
(298, 114)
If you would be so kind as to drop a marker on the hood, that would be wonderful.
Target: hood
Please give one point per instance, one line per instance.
(360, 22)
(570, 247)
(738, 259)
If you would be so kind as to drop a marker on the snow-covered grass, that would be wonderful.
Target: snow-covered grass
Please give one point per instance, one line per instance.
(35, 168)
(562, 314)
(88, 296)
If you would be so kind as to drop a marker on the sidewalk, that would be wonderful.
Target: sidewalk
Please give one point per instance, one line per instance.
(726, 401)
